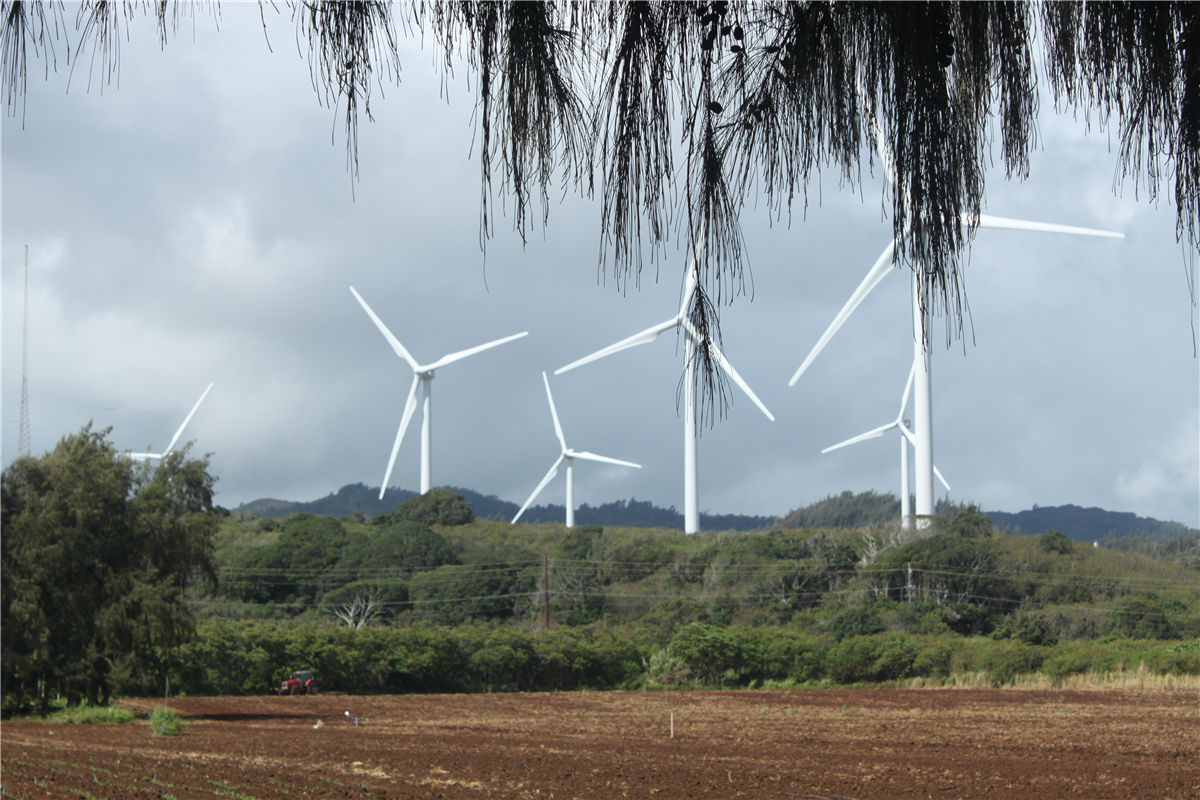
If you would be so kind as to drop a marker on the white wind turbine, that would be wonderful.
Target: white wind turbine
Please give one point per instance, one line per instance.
(422, 379)
(691, 502)
(922, 388)
(568, 456)
(175, 438)
(906, 438)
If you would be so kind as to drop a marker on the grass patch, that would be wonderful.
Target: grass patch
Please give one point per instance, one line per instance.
(85, 715)
(166, 722)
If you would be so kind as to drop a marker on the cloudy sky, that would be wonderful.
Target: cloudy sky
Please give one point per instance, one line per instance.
(195, 222)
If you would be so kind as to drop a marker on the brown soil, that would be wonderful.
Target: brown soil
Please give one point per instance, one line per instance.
(754, 744)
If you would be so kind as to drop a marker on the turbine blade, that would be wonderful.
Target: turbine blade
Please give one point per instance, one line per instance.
(877, 273)
(392, 340)
(144, 456)
(645, 337)
(912, 438)
(186, 420)
(558, 431)
(724, 364)
(586, 456)
(938, 473)
(874, 433)
(410, 406)
(988, 221)
(549, 477)
(461, 354)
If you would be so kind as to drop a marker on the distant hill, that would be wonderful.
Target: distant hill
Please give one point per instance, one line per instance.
(1087, 524)
(846, 510)
(358, 498)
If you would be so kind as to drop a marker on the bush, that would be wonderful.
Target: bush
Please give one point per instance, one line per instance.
(855, 621)
(1149, 617)
(166, 722)
(1056, 542)
(85, 715)
(1012, 658)
(708, 652)
(435, 507)
(872, 659)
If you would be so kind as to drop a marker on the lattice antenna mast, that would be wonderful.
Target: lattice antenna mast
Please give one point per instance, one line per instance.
(23, 435)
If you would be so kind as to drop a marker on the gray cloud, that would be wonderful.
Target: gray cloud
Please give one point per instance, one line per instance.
(197, 223)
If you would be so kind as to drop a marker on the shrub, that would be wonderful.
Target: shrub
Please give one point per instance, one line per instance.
(855, 621)
(86, 714)
(435, 507)
(708, 651)
(1056, 542)
(1012, 658)
(1149, 617)
(871, 659)
(166, 722)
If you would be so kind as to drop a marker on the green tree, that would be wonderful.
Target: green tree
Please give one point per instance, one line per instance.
(399, 544)
(435, 507)
(1056, 542)
(296, 567)
(97, 555)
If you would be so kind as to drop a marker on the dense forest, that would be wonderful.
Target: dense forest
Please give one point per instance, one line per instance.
(124, 580)
(1114, 529)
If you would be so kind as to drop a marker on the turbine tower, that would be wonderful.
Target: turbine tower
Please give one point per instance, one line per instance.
(175, 438)
(922, 384)
(906, 438)
(692, 338)
(568, 456)
(420, 392)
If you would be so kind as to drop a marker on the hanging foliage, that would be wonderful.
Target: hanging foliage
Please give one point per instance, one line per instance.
(684, 111)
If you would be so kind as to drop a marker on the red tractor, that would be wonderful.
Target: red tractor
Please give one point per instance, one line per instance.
(301, 682)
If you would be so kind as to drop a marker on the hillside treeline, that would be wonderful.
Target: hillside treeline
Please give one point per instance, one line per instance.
(240, 657)
(102, 596)
(430, 562)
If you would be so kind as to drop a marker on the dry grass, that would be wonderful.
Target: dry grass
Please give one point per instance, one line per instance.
(1140, 678)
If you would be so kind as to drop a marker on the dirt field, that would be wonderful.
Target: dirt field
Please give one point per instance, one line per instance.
(754, 744)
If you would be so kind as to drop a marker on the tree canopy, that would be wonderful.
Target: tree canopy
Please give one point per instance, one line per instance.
(97, 555)
(675, 114)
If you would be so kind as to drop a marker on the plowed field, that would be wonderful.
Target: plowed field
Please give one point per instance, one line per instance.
(754, 744)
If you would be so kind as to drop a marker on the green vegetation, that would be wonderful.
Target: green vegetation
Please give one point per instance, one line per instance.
(462, 607)
(98, 554)
(397, 604)
(89, 715)
(435, 507)
(166, 722)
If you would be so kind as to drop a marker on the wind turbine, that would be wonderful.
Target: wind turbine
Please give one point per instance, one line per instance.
(175, 438)
(922, 387)
(568, 455)
(692, 338)
(420, 392)
(906, 438)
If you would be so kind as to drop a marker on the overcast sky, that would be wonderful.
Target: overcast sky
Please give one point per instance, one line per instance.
(196, 223)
